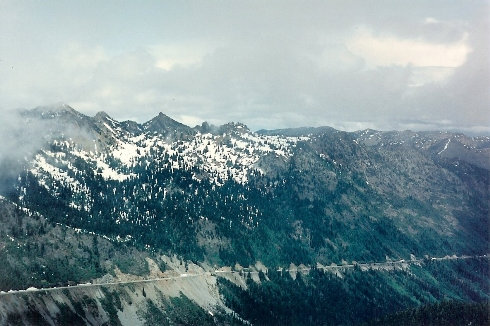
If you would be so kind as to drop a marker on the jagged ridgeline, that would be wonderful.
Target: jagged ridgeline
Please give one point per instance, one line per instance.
(227, 195)
(120, 223)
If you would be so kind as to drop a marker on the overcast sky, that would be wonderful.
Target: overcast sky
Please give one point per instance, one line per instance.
(269, 64)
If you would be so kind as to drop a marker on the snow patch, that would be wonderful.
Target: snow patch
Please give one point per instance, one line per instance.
(445, 147)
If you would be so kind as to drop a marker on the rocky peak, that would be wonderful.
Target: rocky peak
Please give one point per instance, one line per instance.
(165, 125)
(54, 111)
(101, 116)
(235, 127)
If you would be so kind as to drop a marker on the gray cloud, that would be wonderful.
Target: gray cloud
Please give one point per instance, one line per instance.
(271, 64)
(20, 141)
(24, 134)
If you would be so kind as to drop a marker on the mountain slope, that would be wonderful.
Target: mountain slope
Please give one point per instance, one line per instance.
(321, 197)
(226, 196)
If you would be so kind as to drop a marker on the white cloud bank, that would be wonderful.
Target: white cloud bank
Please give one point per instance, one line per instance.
(392, 50)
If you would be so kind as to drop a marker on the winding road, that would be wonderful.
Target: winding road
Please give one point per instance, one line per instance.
(363, 266)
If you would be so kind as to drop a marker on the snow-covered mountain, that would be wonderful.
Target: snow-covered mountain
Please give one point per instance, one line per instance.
(192, 190)
(115, 149)
(92, 199)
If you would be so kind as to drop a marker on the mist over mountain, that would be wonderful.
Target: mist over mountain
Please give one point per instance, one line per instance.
(103, 200)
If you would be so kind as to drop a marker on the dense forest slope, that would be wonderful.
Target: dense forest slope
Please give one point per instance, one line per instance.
(96, 196)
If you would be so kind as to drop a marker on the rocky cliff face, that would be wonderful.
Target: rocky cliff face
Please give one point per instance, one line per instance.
(186, 299)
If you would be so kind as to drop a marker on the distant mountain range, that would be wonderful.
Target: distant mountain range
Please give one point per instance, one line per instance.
(224, 195)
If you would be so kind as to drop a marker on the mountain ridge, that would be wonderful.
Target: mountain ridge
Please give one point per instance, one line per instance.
(326, 164)
(95, 200)
(165, 121)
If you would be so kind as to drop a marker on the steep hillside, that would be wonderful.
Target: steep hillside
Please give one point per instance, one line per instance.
(97, 197)
(324, 196)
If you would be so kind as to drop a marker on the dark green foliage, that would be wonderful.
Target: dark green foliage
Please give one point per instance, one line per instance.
(308, 209)
(440, 314)
(161, 264)
(178, 311)
(325, 299)
(462, 279)
(77, 304)
(32, 317)
(40, 271)
(111, 302)
(69, 317)
(155, 315)
(186, 312)
(321, 298)
(131, 264)
(40, 254)
(337, 196)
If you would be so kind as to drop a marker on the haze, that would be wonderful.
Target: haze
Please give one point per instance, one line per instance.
(270, 64)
